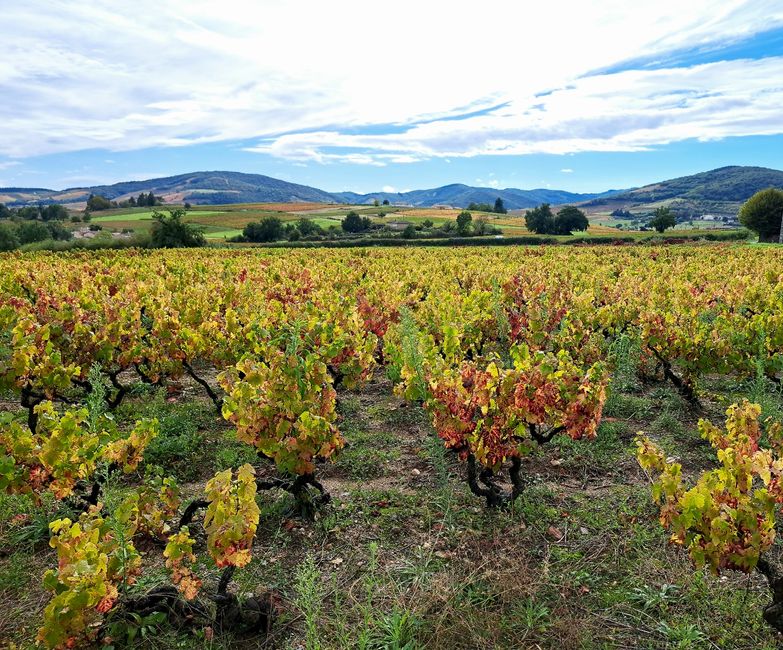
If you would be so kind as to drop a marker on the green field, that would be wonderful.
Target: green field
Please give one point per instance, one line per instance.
(145, 215)
(222, 234)
(222, 222)
(222, 218)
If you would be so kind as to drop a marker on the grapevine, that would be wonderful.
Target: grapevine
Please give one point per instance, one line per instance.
(727, 519)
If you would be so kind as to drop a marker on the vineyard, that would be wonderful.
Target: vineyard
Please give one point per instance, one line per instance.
(479, 448)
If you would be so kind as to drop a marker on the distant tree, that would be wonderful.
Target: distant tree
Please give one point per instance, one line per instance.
(499, 207)
(75, 218)
(427, 223)
(169, 231)
(376, 202)
(28, 213)
(148, 200)
(570, 219)
(540, 220)
(480, 207)
(132, 202)
(294, 234)
(54, 212)
(187, 206)
(663, 218)
(96, 203)
(8, 237)
(305, 227)
(30, 231)
(308, 227)
(353, 222)
(58, 231)
(5, 213)
(266, 230)
(762, 213)
(464, 219)
(386, 201)
(409, 232)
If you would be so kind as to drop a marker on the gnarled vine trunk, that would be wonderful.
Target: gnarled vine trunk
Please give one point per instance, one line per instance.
(773, 613)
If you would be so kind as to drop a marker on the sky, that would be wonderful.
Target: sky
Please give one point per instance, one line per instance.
(366, 96)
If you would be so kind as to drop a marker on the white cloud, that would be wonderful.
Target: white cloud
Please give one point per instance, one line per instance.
(390, 189)
(625, 111)
(302, 78)
(566, 170)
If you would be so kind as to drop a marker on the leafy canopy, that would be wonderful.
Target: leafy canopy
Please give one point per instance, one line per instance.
(727, 519)
(171, 232)
(663, 218)
(762, 213)
(266, 230)
(540, 220)
(354, 222)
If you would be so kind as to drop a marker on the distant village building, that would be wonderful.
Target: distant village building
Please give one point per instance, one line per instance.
(718, 216)
(397, 225)
(441, 206)
(85, 233)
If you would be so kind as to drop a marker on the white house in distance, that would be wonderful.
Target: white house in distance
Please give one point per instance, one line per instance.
(397, 225)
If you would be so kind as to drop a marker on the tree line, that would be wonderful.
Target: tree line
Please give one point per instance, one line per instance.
(32, 223)
(498, 208)
(97, 202)
(272, 228)
(541, 221)
(29, 226)
(52, 212)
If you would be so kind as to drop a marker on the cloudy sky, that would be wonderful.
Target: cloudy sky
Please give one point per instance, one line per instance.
(363, 95)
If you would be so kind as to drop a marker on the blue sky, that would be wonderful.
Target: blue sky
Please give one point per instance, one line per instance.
(349, 96)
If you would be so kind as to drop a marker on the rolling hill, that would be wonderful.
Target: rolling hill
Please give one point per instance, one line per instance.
(719, 190)
(214, 187)
(222, 187)
(459, 196)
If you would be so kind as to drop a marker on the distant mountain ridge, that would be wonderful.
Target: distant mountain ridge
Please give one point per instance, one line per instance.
(732, 183)
(722, 188)
(217, 187)
(459, 196)
(212, 187)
